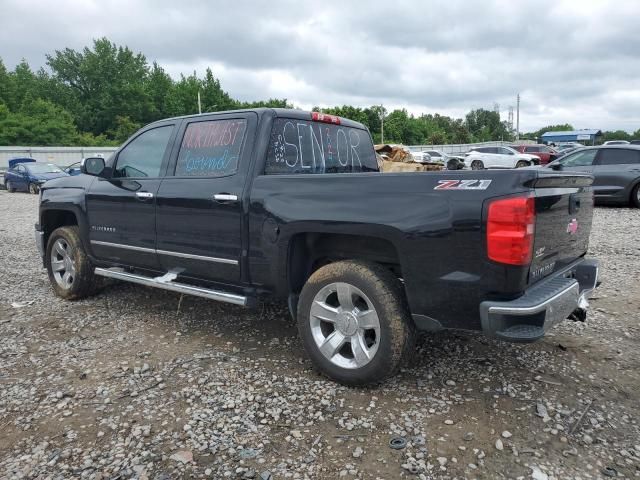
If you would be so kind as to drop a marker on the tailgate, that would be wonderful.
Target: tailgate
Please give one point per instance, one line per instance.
(564, 209)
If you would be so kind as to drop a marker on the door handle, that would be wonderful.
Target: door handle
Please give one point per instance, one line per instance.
(144, 195)
(225, 198)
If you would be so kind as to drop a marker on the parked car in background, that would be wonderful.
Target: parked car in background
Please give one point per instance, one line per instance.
(420, 156)
(616, 142)
(616, 169)
(635, 142)
(561, 147)
(73, 169)
(543, 152)
(498, 157)
(27, 175)
(567, 151)
(451, 162)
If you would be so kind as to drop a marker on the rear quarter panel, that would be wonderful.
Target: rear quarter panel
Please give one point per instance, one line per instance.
(437, 232)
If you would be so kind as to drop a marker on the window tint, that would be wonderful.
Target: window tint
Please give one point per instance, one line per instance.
(504, 151)
(532, 149)
(582, 158)
(143, 156)
(211, 148)
(433, 153)
(299, 146)
(618, 156)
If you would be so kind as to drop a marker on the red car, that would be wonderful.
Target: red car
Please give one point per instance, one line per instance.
(545, 153)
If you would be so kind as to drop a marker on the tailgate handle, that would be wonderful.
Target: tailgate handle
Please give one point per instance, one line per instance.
(574, 203)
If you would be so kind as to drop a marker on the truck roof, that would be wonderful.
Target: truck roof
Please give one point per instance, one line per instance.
(276, 112)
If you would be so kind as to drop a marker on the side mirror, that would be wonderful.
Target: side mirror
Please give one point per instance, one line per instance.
(556, 166)
(92, 166)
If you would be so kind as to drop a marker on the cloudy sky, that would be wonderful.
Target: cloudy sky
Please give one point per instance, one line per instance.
(572, 61)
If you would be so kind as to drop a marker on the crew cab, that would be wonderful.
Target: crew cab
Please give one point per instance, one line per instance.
(245, 205)
(498, 157)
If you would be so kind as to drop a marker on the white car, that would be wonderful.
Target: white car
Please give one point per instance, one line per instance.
(498, 157)
(616, 142)
(420, 156)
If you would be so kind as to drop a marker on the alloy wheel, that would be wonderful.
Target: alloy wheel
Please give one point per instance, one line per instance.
(62, 263)
(345, 325)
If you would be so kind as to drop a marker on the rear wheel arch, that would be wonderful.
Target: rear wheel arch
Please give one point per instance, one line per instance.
(307, 252)
(310, 251)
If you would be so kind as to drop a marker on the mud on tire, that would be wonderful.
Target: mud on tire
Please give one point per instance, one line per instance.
(372, 287)
(65, 255)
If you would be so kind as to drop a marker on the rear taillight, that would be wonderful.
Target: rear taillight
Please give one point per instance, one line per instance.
(510, 228)
(326, 118)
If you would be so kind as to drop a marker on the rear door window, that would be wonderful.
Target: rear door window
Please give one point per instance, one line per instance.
(211, 148)
(618, 156)
(304, 146)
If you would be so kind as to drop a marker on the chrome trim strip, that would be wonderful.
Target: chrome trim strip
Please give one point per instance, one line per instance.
(539, 307)
(126, 247)
(198, 257)
(190, 256)
(174, 287)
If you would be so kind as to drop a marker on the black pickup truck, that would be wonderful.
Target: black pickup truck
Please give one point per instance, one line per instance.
(267, 203)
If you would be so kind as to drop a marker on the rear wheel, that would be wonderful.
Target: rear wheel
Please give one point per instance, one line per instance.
(635, 196)
(522, 163)
(477, 165)
(33, 188)
(10, 188)
(354, 322)
(70, 270)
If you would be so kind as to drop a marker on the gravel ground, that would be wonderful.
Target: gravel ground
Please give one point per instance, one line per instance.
(135, 383)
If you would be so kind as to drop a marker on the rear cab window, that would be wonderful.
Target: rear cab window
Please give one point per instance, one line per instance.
(298, 146)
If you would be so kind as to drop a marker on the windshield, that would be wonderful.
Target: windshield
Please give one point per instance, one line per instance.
(43, 168)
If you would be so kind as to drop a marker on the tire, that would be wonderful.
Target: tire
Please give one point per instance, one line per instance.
(522, 164)
(360, 355)
(477, 165)
(453, 164)
(635, 196)
(33, 188)
(9, 187)
(69, 268)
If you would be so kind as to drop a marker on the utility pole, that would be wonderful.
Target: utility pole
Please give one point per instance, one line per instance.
(199, 104)
(518, 117)
(381, 123)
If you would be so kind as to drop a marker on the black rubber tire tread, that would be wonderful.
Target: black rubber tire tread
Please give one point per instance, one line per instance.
(85, 282)
(522, 164)
(397, 330)
(7, 186)
(477, 161)
(635, 201)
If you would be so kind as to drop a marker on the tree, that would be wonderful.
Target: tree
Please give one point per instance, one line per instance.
(39, 122)
(485, 125)
(107, 81)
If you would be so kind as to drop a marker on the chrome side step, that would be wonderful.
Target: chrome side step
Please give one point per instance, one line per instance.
(166, 282)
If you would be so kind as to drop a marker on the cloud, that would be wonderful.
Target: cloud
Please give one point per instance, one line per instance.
(572, 61)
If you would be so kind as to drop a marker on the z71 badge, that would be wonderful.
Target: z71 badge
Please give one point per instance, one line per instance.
(462, 184)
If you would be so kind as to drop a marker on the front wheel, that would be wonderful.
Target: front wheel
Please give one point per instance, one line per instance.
(354, 322)
(477, 165)
(10, 188)
(33, 188)
(522, 163)
(635, 196)
(70, 270)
